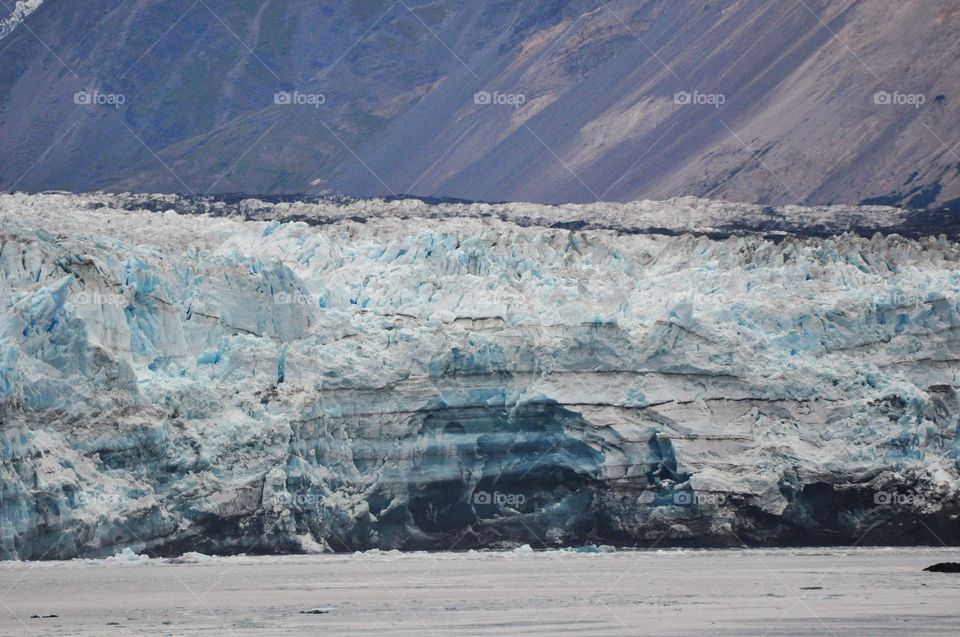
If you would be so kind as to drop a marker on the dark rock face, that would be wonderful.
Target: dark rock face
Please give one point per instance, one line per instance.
(944, 567)
(560, 101)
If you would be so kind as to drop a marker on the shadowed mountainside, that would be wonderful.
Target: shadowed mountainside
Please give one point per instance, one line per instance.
(589, 91)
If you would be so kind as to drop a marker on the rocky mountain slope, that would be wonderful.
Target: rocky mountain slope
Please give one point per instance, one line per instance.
(805, 102)
(383, 375)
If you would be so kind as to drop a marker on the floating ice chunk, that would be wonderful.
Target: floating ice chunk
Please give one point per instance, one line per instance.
(127, 555)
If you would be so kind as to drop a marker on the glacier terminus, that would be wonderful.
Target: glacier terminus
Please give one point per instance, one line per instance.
(250, 376)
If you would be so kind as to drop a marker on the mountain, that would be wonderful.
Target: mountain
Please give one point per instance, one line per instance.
(812, 102)
(331, 375)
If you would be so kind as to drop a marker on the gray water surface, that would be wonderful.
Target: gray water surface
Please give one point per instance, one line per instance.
(730, 592)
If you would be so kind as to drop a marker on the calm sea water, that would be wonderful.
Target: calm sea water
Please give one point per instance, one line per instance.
(865, 591)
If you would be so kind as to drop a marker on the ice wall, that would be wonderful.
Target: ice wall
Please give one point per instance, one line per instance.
(174, 382)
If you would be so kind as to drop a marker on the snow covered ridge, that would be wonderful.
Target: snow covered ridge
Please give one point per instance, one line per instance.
(21, 9)
(174, 383)
(684, 214)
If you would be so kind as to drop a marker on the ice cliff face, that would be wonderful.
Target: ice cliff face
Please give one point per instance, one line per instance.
(174, 382)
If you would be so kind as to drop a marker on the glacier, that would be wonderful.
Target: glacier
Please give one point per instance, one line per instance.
(249, 376)
(17, 14)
